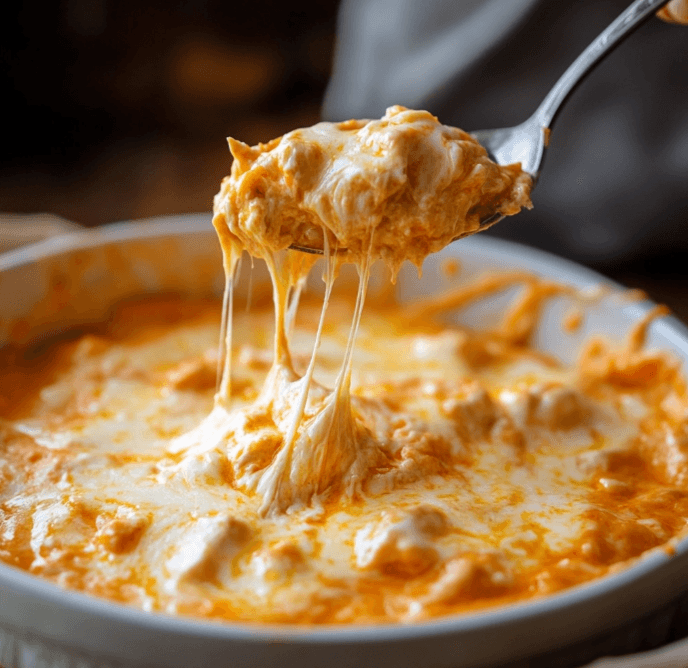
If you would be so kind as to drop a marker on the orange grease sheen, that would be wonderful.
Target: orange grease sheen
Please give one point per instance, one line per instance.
(650, 472)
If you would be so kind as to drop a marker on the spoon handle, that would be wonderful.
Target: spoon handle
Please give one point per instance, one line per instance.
(633, 17)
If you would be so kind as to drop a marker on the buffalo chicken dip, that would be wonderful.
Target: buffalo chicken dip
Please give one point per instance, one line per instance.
(331, 463)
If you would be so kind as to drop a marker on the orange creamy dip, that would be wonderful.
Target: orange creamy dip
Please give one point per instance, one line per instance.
(352, 465)
(393, 189)
(397, 188)
(500, 475)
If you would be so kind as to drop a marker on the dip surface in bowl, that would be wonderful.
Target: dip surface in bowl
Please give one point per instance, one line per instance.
(503, 474)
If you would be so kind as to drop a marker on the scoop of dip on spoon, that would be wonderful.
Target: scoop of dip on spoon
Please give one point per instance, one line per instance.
(396, 188)
(400, 187)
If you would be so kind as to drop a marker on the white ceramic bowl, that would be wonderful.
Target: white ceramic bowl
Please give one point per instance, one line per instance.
(44, 626)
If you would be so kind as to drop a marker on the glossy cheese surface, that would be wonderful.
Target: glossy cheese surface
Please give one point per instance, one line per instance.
(396, 188)
(330, 463)
(495, 473)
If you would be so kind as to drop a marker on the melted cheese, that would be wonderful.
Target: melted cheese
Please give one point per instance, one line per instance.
(397, 188)
(498, 474)
(352, 466)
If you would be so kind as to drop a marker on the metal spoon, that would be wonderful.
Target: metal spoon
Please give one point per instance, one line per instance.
(526, 143)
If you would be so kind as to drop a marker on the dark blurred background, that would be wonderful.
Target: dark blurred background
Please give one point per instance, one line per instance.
(119, 110)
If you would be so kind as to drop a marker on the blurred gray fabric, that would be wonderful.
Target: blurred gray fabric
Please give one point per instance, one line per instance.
(615, 181)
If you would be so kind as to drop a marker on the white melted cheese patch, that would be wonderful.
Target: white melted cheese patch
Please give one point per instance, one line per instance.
(487, 473)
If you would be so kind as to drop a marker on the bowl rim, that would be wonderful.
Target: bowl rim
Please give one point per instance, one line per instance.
(488, 619)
